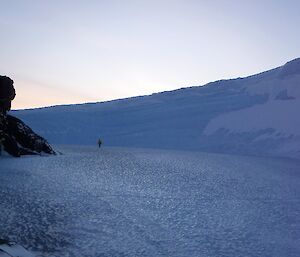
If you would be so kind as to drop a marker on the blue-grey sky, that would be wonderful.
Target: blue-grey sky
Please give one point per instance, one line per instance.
(74, 51)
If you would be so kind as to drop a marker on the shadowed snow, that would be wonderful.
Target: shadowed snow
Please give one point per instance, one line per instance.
(138, 202)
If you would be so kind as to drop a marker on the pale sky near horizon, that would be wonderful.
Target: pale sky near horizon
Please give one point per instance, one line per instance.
(75, 51)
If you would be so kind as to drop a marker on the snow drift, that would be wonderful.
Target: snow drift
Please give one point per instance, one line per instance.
(252, 115)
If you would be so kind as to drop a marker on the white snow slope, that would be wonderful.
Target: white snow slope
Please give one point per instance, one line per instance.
(136, 202)
(254, 115)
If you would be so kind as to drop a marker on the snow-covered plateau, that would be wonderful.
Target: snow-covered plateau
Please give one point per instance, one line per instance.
(142, 202)
(256, 115)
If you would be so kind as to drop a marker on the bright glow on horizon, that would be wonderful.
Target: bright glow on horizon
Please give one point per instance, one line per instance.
(63, 52)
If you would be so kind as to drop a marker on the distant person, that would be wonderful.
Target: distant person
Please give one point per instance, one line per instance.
(99, 142)
(15, 136)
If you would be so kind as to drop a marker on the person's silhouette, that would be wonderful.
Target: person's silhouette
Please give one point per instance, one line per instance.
(99, 142)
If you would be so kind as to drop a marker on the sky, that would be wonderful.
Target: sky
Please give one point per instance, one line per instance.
(78, 51)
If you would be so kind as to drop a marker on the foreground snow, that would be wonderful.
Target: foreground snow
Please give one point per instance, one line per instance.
(137, 202)
(10, 249)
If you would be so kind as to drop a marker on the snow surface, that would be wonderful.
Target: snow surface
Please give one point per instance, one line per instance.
(139, 202)
(257, 115)
(14, 250)
(279, 113)
(276, 119)
(254, 118)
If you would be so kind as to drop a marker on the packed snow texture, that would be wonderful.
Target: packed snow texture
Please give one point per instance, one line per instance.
(137, 202)
(257, 115)
(277, 119)
(13, 250)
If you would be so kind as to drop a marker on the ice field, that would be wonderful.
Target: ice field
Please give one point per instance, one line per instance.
(142, 202)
